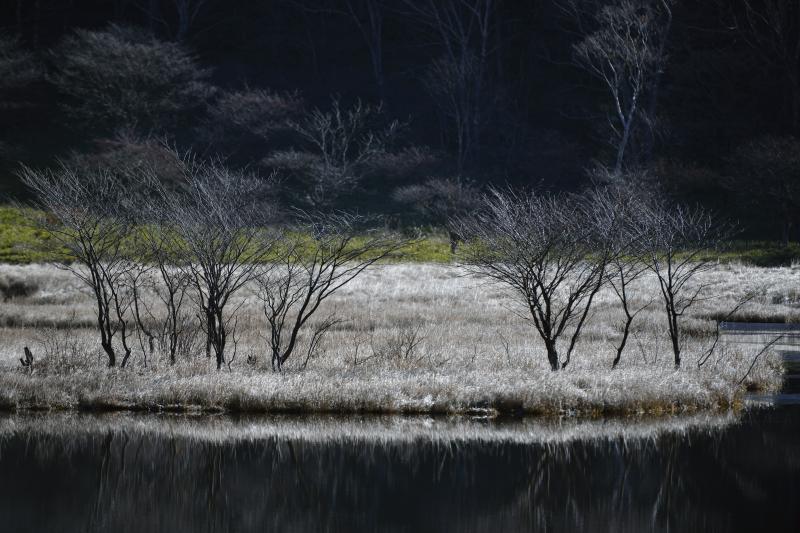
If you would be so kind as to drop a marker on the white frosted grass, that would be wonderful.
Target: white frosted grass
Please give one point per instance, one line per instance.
(359, 430)
(475, 353)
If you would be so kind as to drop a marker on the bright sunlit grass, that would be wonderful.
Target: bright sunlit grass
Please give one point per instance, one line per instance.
(474, 354)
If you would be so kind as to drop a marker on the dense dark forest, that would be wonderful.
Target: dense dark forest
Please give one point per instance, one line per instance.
(410, 107)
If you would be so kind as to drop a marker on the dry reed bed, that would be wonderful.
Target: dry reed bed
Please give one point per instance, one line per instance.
(472, 352)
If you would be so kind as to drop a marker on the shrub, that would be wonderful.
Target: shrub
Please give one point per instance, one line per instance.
(125, 77)
(12, 287)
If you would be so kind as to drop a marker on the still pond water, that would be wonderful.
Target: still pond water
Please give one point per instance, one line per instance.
(144, 473)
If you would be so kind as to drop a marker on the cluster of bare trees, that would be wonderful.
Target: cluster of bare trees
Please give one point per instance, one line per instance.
(555, 252)
(195, 244)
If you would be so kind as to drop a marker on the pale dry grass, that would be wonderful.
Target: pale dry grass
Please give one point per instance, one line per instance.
(470, 352)
(375, 429)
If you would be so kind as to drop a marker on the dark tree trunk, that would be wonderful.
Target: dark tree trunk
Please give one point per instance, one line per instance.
(173, 332)
(103, 324)
(552, 355)
(625, 333)
(675, 337)
(677, 351)
(217, 335)
(125, 358)
(109, 349)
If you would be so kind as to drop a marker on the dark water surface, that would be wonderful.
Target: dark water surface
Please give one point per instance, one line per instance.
(742, 477)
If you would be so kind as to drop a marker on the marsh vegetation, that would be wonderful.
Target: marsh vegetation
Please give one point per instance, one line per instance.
(409, 338)
(202, 293)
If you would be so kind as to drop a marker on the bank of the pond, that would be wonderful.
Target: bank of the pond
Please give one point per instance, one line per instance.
(582, 393)
(363, 429)
(413, 339)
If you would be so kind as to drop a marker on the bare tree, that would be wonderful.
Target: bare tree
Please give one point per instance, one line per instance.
(678, 245)
(322, 254)
(543, 247)
(623, 272)
(220, 225)
(135, 280)
(164, 271)
(450, 84)
(123, 77)
(627, 53)
(458, 80)
(442, 200)
(614, 214)
(340, 145)
(85, 216)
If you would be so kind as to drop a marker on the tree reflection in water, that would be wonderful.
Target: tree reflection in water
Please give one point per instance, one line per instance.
(148, 473)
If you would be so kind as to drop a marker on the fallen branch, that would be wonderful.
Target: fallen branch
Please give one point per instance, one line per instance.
(764, 349)
(710, 352)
